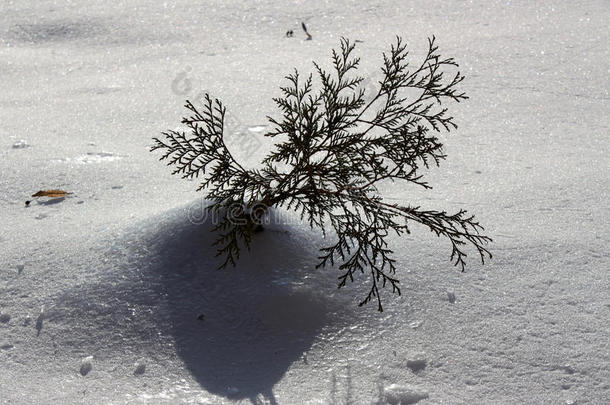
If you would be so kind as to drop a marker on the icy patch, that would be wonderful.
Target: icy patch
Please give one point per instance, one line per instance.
(257, 128)
(403, 394)
(177, 393)
(92, 157)
(415, 324)
(97, 157)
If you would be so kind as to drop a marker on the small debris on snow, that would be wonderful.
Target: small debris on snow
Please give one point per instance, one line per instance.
(41, 216)
(306, 32)
(451, 296)
(403, 394)
(140, 368)
(6, 346)
(22, 144)
(27, 321)
(415, 324)
(20, 268)
(86, 365)
(417, 362)
(4, 318)
(101, 154)
(39, 321)
(568, 369)
(117, 187)
(55, 193)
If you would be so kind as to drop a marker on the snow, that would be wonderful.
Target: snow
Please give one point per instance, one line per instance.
(121, 271)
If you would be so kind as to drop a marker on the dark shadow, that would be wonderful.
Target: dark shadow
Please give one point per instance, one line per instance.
(333, 389)
(62, 30)
(255, 324)
(237, 330)
(52, 201)
(349, 386)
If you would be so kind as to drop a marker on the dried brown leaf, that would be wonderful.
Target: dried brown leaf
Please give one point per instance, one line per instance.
(51, 193)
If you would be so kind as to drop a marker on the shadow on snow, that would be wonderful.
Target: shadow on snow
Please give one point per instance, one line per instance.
(238, 330)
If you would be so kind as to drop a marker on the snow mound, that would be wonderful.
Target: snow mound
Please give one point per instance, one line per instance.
(417, 362)
(403, 394)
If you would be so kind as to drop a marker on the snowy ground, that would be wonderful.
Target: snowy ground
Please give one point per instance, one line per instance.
(122, 275)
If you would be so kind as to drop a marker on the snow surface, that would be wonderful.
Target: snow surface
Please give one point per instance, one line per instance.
(117, 281)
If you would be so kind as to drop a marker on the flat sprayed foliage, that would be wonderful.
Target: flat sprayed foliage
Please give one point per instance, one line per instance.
(335, 145)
